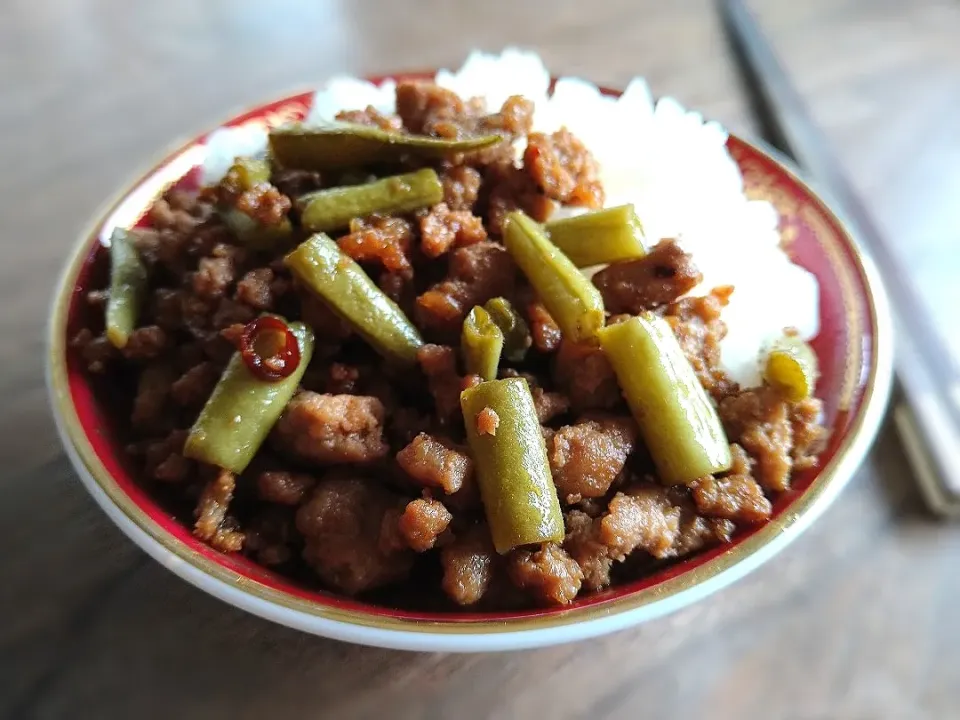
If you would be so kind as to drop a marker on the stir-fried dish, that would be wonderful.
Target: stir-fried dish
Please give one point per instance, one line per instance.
(372, 360)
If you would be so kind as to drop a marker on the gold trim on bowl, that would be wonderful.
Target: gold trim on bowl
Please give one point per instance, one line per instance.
(708, 570)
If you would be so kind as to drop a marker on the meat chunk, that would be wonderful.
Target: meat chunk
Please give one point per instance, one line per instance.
(329, 429)
(436, 463)
(294, 183)
(442, 228)
(735, 496)
(809, 436)
(697, 326)
(212, 524)
(439, 364)
(563, 168)
(585, 374)
(642, 517)
(544, 330)
(582, 542)
(461, 187)
(340, 524)
(385, 240)
(271, 535)
(255, 289)
(213, 277)
(284, 487)
(548, 404)
(372, 117)
(420, 104)
(659, 278)
(511, 188)
(587, 458)
(150, 405)
(549, 574)
(468, 565)
(477, 273)
(487, 421)
(759, 420)
(193, 388)
(146, 343)
(697, 533)
(165, 462)
(422, 522)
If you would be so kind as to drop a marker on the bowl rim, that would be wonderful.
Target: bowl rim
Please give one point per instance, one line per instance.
(471, 635)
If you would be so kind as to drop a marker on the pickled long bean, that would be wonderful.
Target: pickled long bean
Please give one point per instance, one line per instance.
(791, 368)
(128, 285)
(516, 333)
(600, 237)
(481, 342)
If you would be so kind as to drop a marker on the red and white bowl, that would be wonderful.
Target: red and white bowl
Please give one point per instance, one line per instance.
(854, 348)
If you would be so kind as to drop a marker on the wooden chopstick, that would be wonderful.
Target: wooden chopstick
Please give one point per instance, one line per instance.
(928, 417)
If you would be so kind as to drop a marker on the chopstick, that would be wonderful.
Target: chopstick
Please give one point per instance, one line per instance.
(928, 415)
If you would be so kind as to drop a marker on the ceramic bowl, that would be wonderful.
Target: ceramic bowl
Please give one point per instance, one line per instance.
(854, 349)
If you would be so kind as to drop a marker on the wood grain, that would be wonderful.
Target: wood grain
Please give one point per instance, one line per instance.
(856, 620)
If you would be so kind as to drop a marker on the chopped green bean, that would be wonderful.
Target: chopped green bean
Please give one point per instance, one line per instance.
(516, 334)
(513, 472)
(347, 145)
(678, 421)
(792, 368)
(572, 300)
(600, 237)
(334, 208)
(320, 265)
(481, 342)
(243, 409)
(128, 285)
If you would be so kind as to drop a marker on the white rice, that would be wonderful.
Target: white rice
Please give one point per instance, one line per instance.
(671, 165)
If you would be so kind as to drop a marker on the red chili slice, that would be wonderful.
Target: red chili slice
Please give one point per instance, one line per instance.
(269, 348)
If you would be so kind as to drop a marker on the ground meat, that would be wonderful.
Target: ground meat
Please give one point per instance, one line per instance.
(230, 312)
(341, 379)
(284, 487)
(586, 458)
(254, 289)
(468, 565)
(150, 404)
(95, 350)
(697, 533)
(326, 324)
(422, 522)
(164, 216)
(442, 228)
(759, 420)
(809, 436)
(583, 372)
(372, 117)
(341, 524)
(271, 536)
(550, 574)
(164, 460)
(735, 496)
(193, 388)
(421, 103)
(697, 325)
(642, 517)
(385, 240)
(439, 364)
(461, 187)
(509, 189)
(548, 404)
(582, 542)
(213, 277)
(211, 514)
(436, 463)
(487, 421)
(265, 204)
(563, 168)
(328, 429)
(659, 278)
(145, 343)
(544, 330)
(477, 273)
(294, 183)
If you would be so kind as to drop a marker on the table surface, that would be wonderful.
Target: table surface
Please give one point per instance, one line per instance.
(857, 620)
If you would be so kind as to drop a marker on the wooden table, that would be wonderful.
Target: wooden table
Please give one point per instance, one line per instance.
(857, 620)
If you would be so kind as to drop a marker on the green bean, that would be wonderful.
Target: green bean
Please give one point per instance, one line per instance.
(128, 285)
(245, 174)
(572, 300)
(600, 237)
(516, 334)
(347, 145)
(334, 208)
(791, 368)
(513, 473)
(320, 265)
(676, 418)
(481, 342)
(243, 409)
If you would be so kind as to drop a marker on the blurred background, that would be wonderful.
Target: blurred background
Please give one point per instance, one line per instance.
(856, 620)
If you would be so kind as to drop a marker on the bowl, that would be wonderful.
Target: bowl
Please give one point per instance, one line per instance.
(854, 349)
